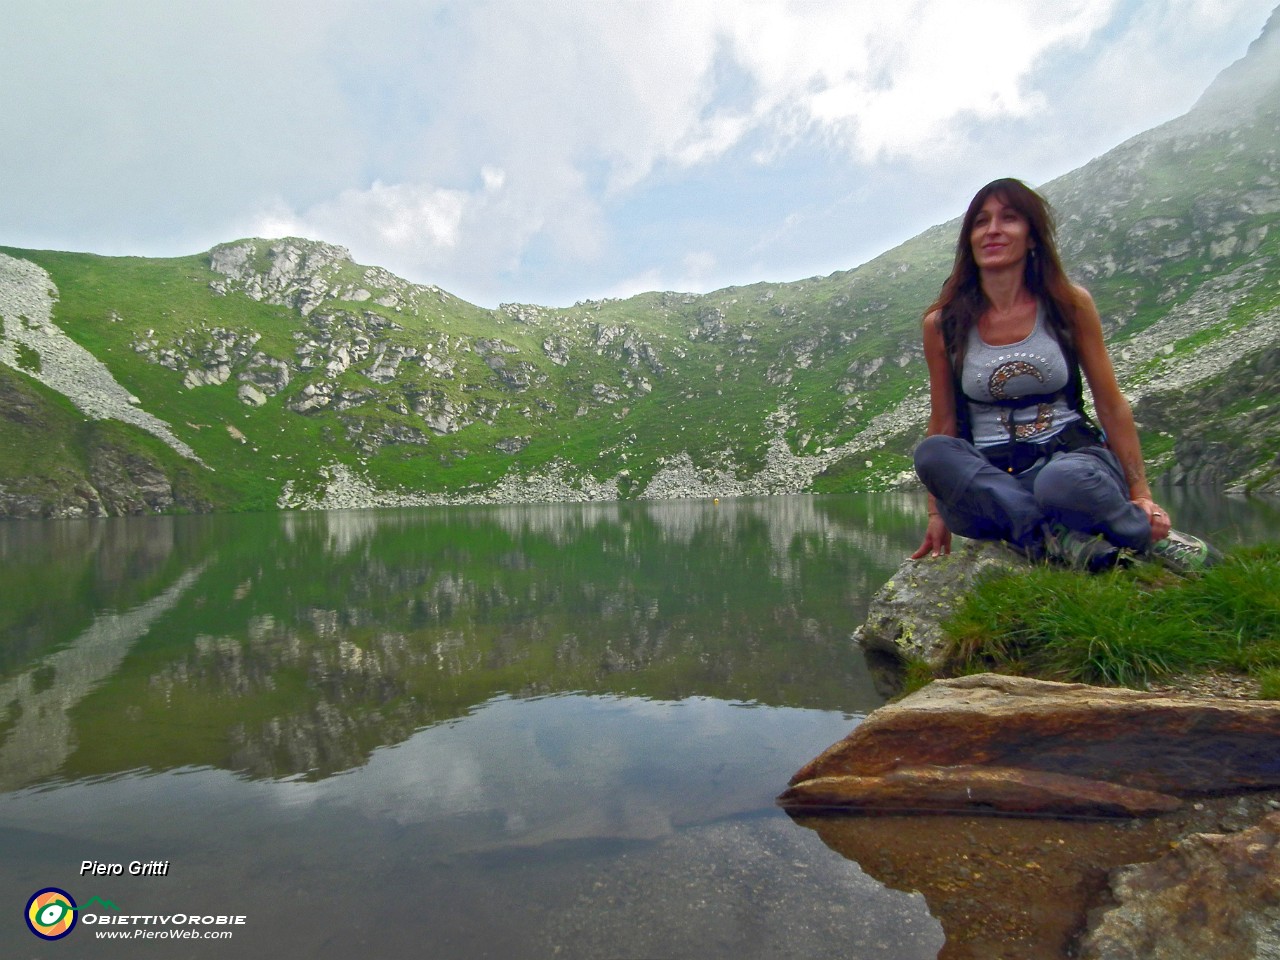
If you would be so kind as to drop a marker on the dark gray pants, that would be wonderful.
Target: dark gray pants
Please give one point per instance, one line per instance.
(1084, 489)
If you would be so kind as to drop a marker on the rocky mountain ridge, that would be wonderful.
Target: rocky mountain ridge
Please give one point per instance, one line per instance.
(280, 374)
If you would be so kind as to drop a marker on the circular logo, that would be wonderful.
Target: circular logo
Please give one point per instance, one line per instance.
(51, 913)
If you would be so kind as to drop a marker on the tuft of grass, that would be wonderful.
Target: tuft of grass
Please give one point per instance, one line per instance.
(1269, 684)
(1125, 627)
(916, 675)
(28, 359)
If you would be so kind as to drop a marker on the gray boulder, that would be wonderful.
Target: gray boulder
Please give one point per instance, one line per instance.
(905, 617)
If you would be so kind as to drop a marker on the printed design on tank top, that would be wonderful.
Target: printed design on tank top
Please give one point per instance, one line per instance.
(995, 386)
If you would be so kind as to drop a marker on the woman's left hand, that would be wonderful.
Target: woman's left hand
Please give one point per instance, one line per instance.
(1160, 524)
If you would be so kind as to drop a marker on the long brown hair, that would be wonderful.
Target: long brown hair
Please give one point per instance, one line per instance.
(961, 301)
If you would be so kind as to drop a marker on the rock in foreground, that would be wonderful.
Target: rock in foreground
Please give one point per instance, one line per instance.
(904, 619)
(1017, 745)
(1020, 888)
(998, 789)
(1213, 895)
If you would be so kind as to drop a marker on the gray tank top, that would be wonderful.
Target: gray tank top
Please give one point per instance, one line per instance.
(1033, 366)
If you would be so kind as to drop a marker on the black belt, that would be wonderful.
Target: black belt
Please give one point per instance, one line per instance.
(1019, 455)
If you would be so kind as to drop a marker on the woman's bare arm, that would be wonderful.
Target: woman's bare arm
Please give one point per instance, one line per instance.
(1113, 410)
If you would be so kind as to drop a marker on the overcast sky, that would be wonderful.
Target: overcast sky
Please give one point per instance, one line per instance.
(548, 151)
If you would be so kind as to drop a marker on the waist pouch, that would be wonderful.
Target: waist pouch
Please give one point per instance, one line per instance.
(1017, 456)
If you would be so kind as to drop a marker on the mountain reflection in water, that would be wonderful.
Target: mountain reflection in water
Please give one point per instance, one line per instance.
(560, 726)
(297, 644)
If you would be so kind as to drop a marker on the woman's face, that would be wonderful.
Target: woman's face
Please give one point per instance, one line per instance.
(1001, 236)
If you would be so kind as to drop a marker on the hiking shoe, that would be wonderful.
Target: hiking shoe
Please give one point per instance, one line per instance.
(1033, 551)
(1079, 551)
(1183, 553)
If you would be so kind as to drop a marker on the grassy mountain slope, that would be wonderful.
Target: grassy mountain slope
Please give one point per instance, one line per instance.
(264, 372)
(422, 392)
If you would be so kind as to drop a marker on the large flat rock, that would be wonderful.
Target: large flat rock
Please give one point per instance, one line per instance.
(1009, 737)
(998, 789)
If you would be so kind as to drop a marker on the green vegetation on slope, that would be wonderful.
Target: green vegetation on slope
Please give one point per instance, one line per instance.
(49, 452)
(637, 382)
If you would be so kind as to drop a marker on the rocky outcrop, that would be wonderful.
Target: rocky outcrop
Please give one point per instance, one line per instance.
(557, 350)
(905, 617)
(996, 737)
(327, 395)
(304, 274)
(342, 489)
(1213, 895)
(100, 469)
(1214, 449)
(101, 475)
(711, 325)
(127, 484)
(208, 357)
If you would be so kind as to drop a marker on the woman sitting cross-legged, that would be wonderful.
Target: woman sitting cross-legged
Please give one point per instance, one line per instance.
(1011, 454)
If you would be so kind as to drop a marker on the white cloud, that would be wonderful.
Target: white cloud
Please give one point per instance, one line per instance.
(894, 78)
(698, 266)
(388, 217)
(507, 149)
(560, 109)
(696, 270)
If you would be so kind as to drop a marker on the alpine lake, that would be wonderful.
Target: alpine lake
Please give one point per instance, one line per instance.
(537, 731)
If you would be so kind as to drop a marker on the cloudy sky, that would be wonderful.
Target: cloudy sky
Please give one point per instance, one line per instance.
(549, 151)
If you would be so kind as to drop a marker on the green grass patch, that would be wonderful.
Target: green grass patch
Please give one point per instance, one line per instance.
(1126, 627)
(861, 472)
(28, 359)
(1269, 684)
(1157, 446)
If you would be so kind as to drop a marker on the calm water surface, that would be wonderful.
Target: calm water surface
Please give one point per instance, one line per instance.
(535, 731)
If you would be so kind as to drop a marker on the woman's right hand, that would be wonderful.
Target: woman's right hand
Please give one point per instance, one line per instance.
(937, 539)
